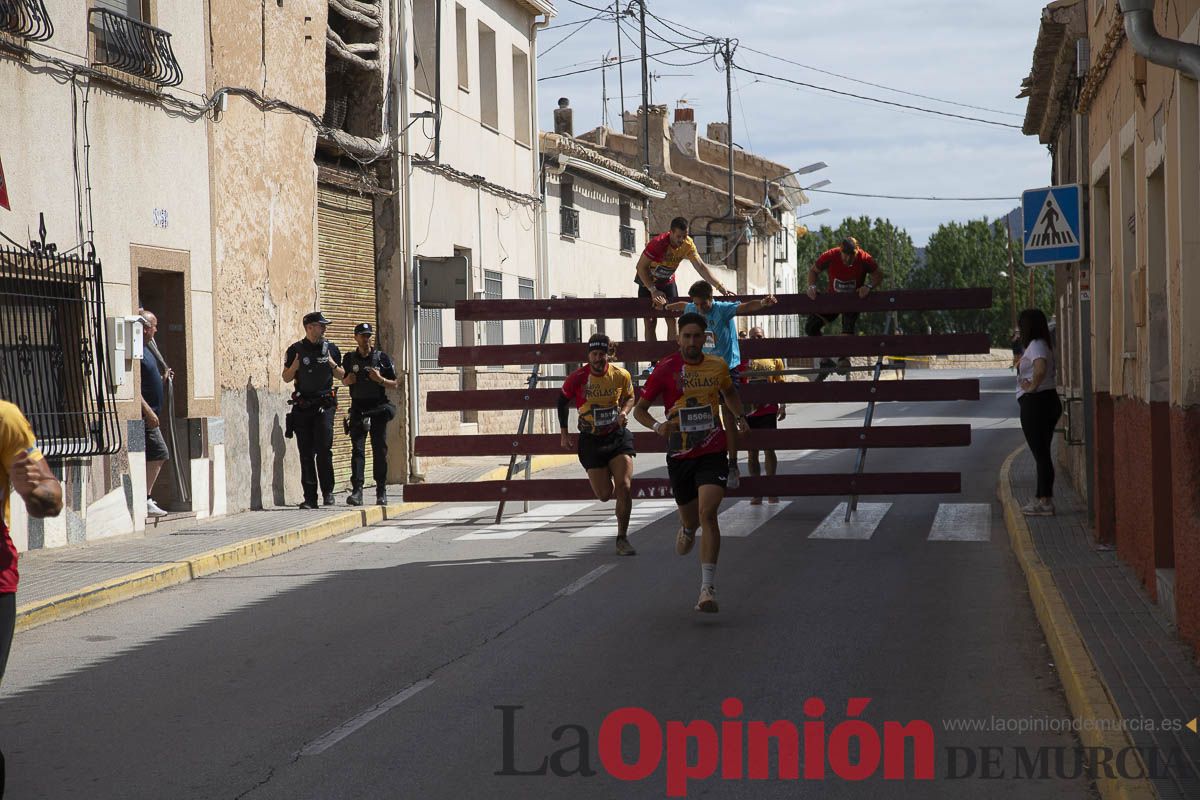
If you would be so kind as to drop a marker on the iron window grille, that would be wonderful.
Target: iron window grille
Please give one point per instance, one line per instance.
(26, 19)
(569, 221)
(431, 337)
(132, 46)
(53, 349)
(628, 239)
(529, 327)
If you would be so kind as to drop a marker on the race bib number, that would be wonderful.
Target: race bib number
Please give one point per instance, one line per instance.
(845, 286)
(696, 420)
(710, 342)
(662, 272)
(604, 417)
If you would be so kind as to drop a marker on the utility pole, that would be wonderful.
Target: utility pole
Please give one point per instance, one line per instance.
(620, 64)
(604, 90)
(729, 121)
(645, 90)
(1012, 273)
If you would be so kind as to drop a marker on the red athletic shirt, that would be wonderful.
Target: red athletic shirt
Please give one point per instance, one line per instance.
(665, 259)
(16, 437)
(691, 393)
(845, 277)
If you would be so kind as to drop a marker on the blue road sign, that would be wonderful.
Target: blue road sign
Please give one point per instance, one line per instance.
(1053, 225)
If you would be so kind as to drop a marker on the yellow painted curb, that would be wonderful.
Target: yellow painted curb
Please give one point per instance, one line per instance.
(1087, 695)
(126, 587)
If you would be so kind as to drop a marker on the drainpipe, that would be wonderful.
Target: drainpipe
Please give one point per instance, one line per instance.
(541, 243)
(1150, 45)
(401, 82)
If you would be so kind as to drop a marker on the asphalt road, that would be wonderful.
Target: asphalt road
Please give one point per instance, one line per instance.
(373, 666)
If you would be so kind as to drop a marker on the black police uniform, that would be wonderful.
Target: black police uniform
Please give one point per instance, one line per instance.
(370, 413)
(314, 406)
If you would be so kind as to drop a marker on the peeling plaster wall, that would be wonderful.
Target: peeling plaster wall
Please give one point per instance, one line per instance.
(264, 230)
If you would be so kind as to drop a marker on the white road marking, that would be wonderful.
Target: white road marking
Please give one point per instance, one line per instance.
(521, 524)
(742, 519)
(398, 530)
(861, 526)
(575, 586)
(962, 522)
(644, 513)
(323, 743)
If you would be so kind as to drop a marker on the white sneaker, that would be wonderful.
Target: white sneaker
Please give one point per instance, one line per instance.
(153, 509)
(734, 480)
(1038, 508)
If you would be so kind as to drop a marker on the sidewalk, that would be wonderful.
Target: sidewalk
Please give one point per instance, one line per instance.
(1115, 650)
(65, 581)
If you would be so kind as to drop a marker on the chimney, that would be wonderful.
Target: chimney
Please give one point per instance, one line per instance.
(719, 132)
(683, 131)
(685, 114)
(563, 118)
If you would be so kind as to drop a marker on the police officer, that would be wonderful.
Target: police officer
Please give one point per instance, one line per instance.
(313, 363)
(369, 373)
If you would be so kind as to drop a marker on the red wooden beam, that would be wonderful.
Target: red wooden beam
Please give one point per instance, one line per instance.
(841, 438)
(632, 307)
(870, 483)
(803, 347)
(910, 391)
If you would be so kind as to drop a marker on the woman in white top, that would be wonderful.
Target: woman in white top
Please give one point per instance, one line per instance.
(1040, 406)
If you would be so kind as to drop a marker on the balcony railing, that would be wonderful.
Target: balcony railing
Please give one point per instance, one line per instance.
(628, 239)
(569, 221)
(26, 19)
(134, 47)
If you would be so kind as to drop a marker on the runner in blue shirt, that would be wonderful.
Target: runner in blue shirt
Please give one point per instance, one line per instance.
(722, 341)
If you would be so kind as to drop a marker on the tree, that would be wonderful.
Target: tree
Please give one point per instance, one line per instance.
(892, 247)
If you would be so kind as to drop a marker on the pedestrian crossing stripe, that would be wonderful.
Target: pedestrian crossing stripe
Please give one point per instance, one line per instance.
(1051, 229)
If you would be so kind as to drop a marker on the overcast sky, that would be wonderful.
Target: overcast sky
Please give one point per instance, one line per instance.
(966, 52)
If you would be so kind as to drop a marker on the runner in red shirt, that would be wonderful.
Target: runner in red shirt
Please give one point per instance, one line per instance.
(656, 271)
(851, 269)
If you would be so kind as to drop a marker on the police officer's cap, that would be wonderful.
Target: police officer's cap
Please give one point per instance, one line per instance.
(363, 327)
(598, 342)
(315, 316)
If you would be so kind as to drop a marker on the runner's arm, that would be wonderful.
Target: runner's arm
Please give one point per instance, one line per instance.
(706, 273)
(643, 272)
(677, 307)
(750, 306)
(564, 415)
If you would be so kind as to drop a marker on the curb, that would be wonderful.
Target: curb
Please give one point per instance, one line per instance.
(1087, 694)
(153, 579)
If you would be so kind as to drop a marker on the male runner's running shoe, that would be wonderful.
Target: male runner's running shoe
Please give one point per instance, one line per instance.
(624, 548)
(684, 542)
(708, 600)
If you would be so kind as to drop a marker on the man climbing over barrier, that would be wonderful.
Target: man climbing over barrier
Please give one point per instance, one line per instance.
(603, 394)
(851, 270)
(656, 271)
(721, 340)
(691, 386)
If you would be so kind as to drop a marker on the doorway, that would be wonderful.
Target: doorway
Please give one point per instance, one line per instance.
(162, 293)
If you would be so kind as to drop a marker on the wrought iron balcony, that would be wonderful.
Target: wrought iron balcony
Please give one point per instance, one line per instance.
(628, 239)
(131, 46)
(26, 19)
(569, 221)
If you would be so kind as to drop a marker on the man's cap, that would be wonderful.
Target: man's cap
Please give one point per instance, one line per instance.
(315, 316)
(849, 245)
(363, 327)
(599, 341)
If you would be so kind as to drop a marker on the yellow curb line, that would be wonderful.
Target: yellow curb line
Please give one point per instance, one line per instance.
(1087, 694)
(152, 579)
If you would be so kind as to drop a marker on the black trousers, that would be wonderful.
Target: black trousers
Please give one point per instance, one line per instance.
(358, 453)
(8, 620)
(817, 321)
(1040, 412)
(314, 440)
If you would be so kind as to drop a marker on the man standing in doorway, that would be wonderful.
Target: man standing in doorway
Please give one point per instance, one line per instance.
(369, 372)
(851, 270)
(154, 373)
(313, 363)
(656, 271)
(764, 417)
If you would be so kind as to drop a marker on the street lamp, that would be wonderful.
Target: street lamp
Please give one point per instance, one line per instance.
(813, 213)
(816, 185)
(802, 171)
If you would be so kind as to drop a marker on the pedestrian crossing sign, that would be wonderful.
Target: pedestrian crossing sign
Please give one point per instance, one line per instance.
(1053, 229)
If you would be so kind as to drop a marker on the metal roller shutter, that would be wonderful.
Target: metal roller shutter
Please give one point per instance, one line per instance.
(346, 248)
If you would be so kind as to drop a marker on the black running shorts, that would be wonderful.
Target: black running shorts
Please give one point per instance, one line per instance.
(596, 451)
(762, 422)
(671, 290)
(689, 474)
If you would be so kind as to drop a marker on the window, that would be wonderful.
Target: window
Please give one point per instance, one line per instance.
(124, 40)
(489, 108)
(460, 39)
(425, 66)
(568, 214)
(601, 325)
(1102, 281)
(1128, 222)
(522, 120)
(430, 340)
(628, 235)
(25, 19)
(528, 326)
(493, 289)
(629, 334)
(572, 332)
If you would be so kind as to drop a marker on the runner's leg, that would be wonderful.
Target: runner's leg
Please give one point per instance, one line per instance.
(602, 483)
(772, 464)
(755, 470)
(622, 474)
